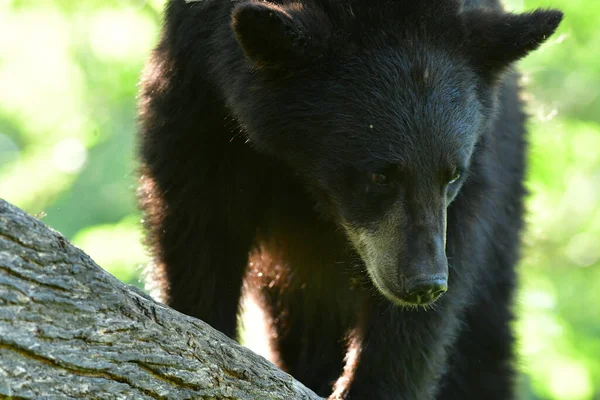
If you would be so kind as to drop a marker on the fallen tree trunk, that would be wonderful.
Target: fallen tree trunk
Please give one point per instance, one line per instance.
(68, 329)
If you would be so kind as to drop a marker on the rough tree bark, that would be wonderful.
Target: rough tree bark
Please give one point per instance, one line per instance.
(68, 329)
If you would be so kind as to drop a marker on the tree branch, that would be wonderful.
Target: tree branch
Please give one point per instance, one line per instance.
(68, 329)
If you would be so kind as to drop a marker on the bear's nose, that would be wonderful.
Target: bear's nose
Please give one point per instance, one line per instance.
(424, 290)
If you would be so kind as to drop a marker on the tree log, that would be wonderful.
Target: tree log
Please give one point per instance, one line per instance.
(68, 329)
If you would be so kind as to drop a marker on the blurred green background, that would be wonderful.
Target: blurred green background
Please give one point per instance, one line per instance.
(68, 84)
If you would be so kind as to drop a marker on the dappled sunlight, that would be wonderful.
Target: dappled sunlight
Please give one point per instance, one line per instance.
(546, 345)
(569, 379)
(115, 247)
(562, 237)
(9, 151)
(583, 249)
(30, 183)
(40, 85)
(69, 155)
(564, 181)
(121, 35)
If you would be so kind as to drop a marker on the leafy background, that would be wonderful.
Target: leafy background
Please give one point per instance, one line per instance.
(68, 85)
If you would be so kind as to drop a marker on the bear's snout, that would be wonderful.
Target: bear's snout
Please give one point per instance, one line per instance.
(424, 290)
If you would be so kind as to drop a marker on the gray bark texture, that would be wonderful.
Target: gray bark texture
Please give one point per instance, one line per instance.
(68, 329)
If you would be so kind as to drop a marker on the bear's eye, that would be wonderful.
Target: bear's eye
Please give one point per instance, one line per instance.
(454, 177)
(380, 179)
(387, 176)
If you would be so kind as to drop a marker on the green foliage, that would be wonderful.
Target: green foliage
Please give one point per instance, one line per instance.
(68, 74)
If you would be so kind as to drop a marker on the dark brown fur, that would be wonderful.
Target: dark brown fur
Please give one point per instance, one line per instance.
(260, 125)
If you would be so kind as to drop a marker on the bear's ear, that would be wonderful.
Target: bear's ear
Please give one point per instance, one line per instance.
(272, 36)
(497, 39)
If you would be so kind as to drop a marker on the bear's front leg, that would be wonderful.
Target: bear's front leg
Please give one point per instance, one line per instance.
(402, 352)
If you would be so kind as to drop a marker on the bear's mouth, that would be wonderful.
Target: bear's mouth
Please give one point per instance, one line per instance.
(424, 292)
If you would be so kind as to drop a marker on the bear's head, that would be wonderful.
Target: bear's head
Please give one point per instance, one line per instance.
(378, 106)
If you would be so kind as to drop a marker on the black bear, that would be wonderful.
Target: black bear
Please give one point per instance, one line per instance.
(358, 165)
